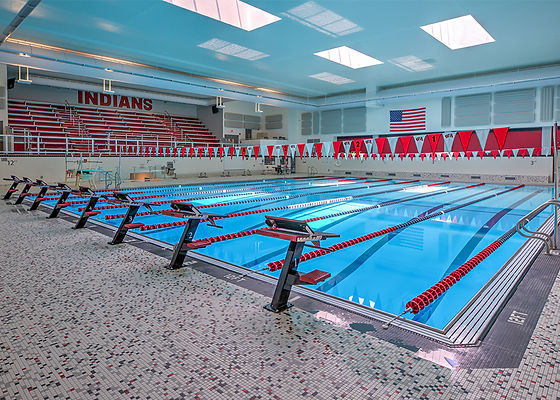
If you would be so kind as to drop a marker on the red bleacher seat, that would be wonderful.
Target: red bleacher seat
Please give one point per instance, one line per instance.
(57, 123)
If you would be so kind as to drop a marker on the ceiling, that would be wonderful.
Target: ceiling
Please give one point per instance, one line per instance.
(157, 33)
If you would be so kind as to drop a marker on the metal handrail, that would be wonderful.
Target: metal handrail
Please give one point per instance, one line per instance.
(30, 143)
(522, 229)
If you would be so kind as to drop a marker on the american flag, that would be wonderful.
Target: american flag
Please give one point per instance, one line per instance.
(413, 119)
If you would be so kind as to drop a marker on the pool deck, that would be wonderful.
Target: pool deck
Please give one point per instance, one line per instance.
(84, 320)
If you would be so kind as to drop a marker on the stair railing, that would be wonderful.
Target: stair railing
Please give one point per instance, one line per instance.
(547, 239)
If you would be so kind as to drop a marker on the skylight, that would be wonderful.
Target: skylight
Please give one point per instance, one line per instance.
(232, 12)
(348, 57)
(458, 33)
(332, 78)
(232, 49)
(411, 63)
(321, 19)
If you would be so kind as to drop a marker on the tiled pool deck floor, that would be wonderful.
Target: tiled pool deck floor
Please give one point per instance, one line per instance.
(81, 319)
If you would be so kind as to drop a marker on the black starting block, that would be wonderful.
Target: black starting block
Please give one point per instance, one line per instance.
(65, 191)
(89, 208)
(41, 195)
(13, 188)
(127, 222)
(25, 192)
(186, 243)
(297, 232)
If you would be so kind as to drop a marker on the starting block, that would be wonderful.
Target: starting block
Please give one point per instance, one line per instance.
(298, 233)
(13, 188)
(127, 222)
(186, 243)
(41, 195)
(25, 192)
(65, 191)
(88, 210)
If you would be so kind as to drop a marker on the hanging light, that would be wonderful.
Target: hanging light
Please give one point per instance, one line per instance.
(219, 102)
(23, 78)
(107, 86)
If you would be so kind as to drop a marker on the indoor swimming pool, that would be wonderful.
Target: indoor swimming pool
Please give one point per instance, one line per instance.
(382, 271)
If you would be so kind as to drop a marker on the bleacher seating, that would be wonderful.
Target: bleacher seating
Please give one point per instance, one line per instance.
(92, 129)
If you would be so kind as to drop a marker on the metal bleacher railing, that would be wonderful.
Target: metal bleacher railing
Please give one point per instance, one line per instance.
(26, 143)
(41, 128)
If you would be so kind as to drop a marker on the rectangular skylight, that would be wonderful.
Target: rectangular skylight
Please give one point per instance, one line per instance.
(458, 33)
(231, 12)
(411, 63)
(348, 57)
(321, 19)
(332, 78)
(232, 49)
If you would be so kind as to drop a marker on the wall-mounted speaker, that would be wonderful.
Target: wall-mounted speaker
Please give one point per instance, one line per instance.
(11, 83)
(215, 110)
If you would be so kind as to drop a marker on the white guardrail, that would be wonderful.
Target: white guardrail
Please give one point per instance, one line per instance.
(131, 144)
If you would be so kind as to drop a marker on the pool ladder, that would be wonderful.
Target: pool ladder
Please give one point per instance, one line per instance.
(548, 240)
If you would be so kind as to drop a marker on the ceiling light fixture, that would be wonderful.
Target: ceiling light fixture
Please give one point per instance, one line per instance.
(331, 78)
(232, 12)
(349, 57)
(232, 49)
(411, 63)
(458, 33)
(24, 55)
(322, 20)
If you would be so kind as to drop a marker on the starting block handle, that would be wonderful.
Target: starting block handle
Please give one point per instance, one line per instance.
(319, 247)
(85, 214)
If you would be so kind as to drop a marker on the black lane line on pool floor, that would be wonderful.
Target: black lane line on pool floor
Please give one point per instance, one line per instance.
(503, 347)
(256, 204)
(310, 194)
(357, 263)
(466, 252)
(208, 193)
(326, 227)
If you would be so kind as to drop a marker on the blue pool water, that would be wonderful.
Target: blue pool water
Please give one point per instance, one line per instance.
(384, 272)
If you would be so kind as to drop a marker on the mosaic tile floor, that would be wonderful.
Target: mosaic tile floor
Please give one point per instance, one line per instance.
(81, 319)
